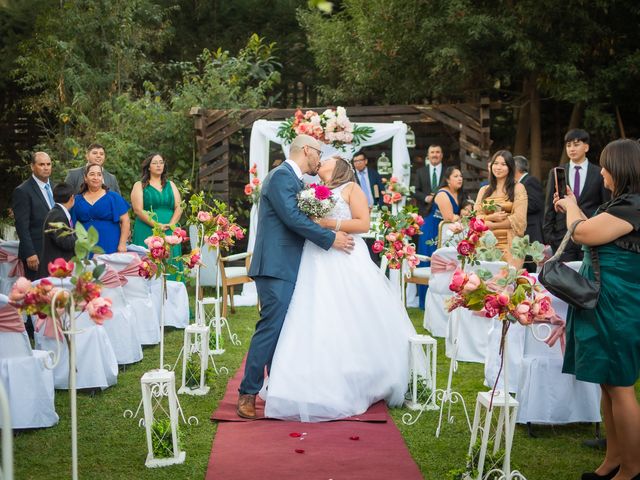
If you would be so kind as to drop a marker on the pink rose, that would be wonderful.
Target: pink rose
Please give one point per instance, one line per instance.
(386, 198)
(477, 225)
(398, 245)
(503, 299)
(254, 169)
(159, 253)
(472, 283)
(173, 239)
(393, 180)
(321, 192)
(458, 280)
(60, 268)
(491, 306)
(154, 242)
(544, 303)
(377, 246)
(214, 240)
(222, 221)
(206, 216)
(411, 231)
(396, 197)
(181, 233)
(418, 219)
(20, 289)
(410, 249)
(473, 238)
(465, 248)
(239, 234)
(147, 268)
(99, 309)
(523, 313)
(256, 181)
(194, 259)
(392, 237)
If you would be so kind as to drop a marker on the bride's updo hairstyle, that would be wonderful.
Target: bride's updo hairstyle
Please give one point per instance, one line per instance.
(342, 173)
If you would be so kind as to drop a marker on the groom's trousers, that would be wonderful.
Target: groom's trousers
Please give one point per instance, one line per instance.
(274, 295)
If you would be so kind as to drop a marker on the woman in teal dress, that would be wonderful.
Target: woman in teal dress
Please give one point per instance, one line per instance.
(446, 207)
(603, 344)
(154, 198)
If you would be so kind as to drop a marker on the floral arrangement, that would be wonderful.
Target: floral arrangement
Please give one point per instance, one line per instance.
(316, 200)
(219, 226)
(84, 275)
(331, 126)
(468, 245)
(158, 260)
(395, 191)
(396, 232)
(511, 295)
(252, 189)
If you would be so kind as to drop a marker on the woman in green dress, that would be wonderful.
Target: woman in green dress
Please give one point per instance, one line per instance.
(603, 344)
(154, 198)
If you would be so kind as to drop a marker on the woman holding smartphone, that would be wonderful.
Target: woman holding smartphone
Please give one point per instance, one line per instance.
(503, 204)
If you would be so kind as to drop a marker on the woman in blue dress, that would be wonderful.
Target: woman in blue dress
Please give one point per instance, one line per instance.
(106, 211)
(446, 207)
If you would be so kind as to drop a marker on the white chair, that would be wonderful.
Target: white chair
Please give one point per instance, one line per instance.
(137, 294)
(121, 328)
(176, 305)
(97, 366)
(28, 383)
(435, 314)
(546, 395)
(513, 359)
(472, 330)
(8, 262)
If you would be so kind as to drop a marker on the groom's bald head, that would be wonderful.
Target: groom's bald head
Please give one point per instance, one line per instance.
(305, 152)
(304, 140)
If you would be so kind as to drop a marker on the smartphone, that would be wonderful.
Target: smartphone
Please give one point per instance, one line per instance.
(561, 181)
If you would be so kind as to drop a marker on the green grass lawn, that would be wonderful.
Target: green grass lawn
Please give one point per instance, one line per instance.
(112, 447)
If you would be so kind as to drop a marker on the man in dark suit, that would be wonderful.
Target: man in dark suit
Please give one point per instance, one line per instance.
(535, 205)
(369, 180)
(96, 155)
(282, 230)
(57, 244)
(428, 179)
(32, 200)
(586, 182)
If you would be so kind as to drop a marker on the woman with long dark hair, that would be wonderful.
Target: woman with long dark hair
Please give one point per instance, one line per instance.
(603, 344)
(503, 203)
(154, 198)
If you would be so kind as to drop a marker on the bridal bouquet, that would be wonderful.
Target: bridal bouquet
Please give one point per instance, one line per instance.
(396, 232)
(331, 126)
(316, 200)
(84, 275)
(252, 189)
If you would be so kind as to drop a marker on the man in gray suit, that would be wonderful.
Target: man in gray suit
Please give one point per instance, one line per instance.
(282, 230)
(96, 155)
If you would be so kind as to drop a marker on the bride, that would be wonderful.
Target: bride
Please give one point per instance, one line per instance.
(344, 344)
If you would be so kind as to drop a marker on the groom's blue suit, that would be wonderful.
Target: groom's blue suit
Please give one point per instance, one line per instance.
(282, 230)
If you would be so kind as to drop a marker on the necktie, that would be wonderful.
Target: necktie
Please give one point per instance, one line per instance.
(47, 189)
(365, 187)
(434, 180)
(576, 182)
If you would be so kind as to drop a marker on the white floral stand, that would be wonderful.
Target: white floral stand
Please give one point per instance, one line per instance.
(422, 345)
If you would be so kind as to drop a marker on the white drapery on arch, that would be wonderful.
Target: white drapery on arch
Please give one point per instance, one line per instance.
(265, 131)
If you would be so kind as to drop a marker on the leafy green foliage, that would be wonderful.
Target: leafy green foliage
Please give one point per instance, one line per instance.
(162, 438)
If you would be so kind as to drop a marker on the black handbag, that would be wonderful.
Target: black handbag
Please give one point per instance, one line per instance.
(567, 284)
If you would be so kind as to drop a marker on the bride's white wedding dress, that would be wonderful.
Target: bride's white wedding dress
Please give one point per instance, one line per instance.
(344, 344)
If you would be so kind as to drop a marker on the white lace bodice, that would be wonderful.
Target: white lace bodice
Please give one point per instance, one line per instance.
(341, 209)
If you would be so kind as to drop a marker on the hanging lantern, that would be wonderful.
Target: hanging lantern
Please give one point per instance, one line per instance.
(411, 138)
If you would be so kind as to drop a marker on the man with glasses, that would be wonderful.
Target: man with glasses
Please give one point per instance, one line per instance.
(369, 180)
(96, 155)
(281, 233)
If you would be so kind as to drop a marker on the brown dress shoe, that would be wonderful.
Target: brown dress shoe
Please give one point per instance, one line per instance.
(246, 406)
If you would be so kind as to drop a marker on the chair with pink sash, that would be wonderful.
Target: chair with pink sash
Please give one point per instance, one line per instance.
(28, 383)
(121, 328)
(469, 328)
(444, 261)
(136, 294)
(11, 266)
(545, 394)
(97, 366)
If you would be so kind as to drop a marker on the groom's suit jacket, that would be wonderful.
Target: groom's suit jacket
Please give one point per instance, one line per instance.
(283, 228)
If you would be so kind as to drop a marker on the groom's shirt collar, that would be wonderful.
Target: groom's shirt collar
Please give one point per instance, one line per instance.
(296, 168)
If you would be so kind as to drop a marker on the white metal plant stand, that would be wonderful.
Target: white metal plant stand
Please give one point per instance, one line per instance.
(158, 385)
(508, 407)
(6, 472)
(196, 342)
(427, 346)
(448, 397)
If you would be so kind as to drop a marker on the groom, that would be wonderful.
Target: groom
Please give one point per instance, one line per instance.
(282, 230)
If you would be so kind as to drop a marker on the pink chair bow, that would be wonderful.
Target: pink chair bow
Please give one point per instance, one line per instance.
(131, 270)
(17, 270)
(47, 323)
(440, 264)
(10, 320)
(112, 278)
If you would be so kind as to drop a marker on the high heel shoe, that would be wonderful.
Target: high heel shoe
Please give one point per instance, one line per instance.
(608, 476)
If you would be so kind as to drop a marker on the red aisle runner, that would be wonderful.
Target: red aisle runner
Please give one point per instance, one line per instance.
(368, 447)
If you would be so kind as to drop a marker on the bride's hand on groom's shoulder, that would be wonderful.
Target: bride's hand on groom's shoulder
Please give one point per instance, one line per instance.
(344, 242)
